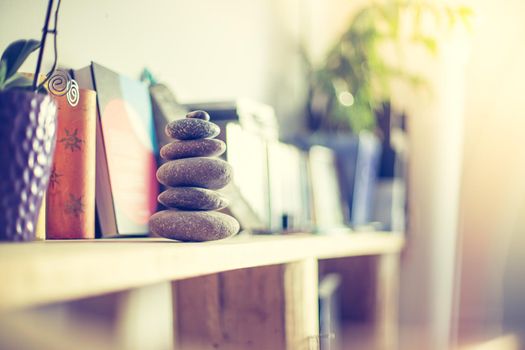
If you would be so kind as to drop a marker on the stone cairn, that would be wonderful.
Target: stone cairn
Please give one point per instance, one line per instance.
(192, 172)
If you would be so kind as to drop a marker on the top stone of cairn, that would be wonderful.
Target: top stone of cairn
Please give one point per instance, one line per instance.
(192, 129)
(198, 115)
(195, 126)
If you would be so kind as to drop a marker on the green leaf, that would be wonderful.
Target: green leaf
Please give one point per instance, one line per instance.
(466, 14)
(451, 17)
(17, 81)
(3, 71)
(465, 11)
(16, 54)
(428, 43)
(358, 59)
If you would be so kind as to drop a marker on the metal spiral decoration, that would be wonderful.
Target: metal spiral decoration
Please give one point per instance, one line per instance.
(61, 83)
(73, 94)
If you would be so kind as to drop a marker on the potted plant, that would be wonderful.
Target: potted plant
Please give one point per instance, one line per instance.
(27, 141)
(349, 92)
(354, 80)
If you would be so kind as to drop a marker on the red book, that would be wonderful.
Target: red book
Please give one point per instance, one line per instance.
(70, 199)
(126, 187)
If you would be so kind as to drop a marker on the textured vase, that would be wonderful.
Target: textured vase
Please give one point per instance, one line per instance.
(27, 143)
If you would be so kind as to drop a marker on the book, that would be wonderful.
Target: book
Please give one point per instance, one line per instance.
(246, 152)
(364, 185)
(126, 186)
(357, 161)
(288, 201)
(40, 231)
(247, 127)
(389, 204)
(390, 195)
(165, 109)
(70, 199)
(326, 193)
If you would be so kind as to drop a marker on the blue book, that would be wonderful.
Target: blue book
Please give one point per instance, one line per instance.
(126, 186)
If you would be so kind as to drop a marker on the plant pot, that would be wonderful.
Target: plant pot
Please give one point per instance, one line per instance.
(27, 143)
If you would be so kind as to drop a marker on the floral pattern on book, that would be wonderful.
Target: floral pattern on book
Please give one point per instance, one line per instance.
(74, 206)
(72, 141)
(54, 179)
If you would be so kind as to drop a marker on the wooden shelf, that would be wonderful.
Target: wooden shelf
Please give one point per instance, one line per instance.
(360, 336)
(43, 272)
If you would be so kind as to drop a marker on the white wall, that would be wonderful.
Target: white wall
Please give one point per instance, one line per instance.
(204, 49)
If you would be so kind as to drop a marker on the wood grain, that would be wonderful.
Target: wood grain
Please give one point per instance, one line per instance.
(301, 305)
(234, 310)
(271, 307)
(42, 272)
(386, 296)
(369, 291)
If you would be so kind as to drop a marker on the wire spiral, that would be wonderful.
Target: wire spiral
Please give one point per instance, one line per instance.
(73, 94)
(60, 83)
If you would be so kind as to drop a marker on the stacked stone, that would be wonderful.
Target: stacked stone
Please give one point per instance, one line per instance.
(193, 172)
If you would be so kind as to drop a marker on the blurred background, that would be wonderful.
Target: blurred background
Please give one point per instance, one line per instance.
(450, 73)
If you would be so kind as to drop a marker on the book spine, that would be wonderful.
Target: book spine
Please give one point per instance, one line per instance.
(104, 209)
(40, 232)
(70, 201)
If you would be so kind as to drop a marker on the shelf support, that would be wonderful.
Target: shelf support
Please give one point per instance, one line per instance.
(270, 307)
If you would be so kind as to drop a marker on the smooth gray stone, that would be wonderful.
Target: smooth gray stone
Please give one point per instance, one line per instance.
(198, 115)
(193, 226)
(192, 129)
(193, 148)
(211, 173)
(192, 198)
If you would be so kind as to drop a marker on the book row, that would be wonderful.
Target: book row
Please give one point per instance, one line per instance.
(103, 182)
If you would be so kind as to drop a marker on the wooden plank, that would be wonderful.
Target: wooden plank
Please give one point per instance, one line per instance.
(386, 308)
(357, 286)
(134, 319)
(234, 310)
(301, 305)
(272, 307)
(145, 318)
(44, 272)
(369, 288)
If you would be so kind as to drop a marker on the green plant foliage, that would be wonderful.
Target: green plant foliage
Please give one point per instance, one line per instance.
(355, 77)
(12, 59)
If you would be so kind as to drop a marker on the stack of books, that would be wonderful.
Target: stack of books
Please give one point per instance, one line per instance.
(123, 145)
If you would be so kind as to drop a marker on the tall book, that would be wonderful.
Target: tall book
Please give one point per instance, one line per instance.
(357, 160)
(326, 193)
(165, 109)
(366, 166)
(70, 198)
(126, 187)
(289, 210)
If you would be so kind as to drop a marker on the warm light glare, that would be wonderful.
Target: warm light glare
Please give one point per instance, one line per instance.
(346, 98)
(451, 129)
